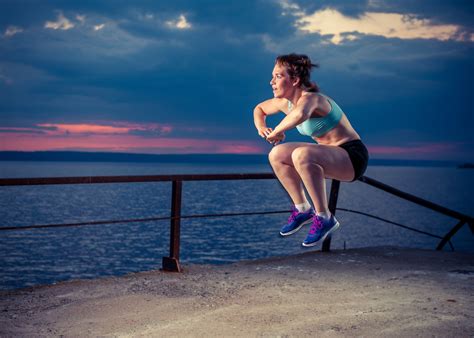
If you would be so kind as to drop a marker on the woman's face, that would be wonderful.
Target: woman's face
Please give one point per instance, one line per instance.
(281, 82)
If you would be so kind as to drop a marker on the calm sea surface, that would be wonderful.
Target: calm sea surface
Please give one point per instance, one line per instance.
(31, 257)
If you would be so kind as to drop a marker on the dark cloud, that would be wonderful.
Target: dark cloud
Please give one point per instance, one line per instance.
(459, 12)
(138, 68)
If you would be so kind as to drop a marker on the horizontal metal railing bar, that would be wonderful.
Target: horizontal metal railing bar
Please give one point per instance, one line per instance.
(137, 220)
(162, 218)
(129, 179)
(391, 222)
(208, 177)
(66, 225)
(213, 177)
(415, 199)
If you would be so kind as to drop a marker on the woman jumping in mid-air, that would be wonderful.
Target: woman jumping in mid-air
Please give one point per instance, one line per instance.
(339, 153)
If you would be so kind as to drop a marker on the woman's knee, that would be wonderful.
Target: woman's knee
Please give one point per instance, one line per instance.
(303, 157)
(278, 154)
(300, 156)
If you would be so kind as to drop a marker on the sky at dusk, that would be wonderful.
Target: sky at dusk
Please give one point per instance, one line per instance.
(183, 76)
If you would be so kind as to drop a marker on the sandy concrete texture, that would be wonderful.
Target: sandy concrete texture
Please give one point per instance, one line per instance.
(369, 292)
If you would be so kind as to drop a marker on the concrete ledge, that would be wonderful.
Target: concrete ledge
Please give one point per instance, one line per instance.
(381, 291)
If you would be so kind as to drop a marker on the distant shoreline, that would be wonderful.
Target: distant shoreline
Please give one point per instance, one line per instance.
(78, 156)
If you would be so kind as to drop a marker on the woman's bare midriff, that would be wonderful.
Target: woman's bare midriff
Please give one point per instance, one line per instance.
(342, 133)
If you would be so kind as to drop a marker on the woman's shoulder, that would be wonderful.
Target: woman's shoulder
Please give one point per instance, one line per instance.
(314, 98)
(313, 95)
(321, 98)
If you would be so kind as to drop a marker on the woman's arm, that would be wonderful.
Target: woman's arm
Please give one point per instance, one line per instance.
(260, 112)
(301, 112)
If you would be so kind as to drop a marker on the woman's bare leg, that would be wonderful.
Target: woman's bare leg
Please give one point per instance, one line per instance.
(282, 164)
(297, 163)
(314, 163)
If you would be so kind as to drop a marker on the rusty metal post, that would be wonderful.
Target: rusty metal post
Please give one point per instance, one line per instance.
(171, 263)
(332, 208)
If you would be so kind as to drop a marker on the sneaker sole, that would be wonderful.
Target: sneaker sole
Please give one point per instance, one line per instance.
(295, 229)
(335, 227)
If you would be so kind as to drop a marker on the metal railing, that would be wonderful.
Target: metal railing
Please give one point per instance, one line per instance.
(171, 262)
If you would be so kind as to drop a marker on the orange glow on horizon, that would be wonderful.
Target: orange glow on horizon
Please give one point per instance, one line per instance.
(125, 143)
(119, 136)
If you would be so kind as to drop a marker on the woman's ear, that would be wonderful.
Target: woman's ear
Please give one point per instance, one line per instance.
(296, 81)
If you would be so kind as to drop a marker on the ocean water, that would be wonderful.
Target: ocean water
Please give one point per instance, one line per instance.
(45, 256)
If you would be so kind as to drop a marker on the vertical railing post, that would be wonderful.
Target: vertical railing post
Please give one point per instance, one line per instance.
(450, 234)
(171, 263)
(332, 208)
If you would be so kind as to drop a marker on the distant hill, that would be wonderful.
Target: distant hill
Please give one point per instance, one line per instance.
(79, 156)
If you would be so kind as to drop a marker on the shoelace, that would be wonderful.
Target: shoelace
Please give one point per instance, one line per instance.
(294, 213)
(316, 225)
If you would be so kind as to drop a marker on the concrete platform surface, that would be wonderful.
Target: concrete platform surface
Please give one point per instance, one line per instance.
(369, 292)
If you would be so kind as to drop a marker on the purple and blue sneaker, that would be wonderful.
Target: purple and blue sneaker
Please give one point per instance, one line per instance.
(296, 221)
(320, 229)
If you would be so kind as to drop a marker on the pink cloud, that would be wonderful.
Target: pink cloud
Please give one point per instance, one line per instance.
(60, 129)
(104, 128)
(120, 136)
(152, 138)
(125, 143)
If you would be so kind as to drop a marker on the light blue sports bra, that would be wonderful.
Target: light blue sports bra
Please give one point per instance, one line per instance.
(318, 126)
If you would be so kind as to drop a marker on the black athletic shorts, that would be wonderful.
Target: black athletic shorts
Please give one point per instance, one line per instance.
(359, 156)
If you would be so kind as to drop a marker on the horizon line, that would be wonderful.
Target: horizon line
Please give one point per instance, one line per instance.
(18, 155)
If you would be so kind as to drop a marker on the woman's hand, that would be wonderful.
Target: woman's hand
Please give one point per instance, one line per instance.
(275, 138)
(264, 131)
